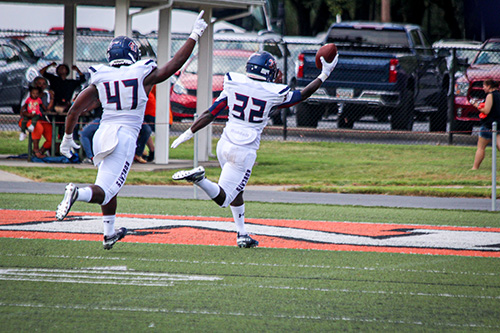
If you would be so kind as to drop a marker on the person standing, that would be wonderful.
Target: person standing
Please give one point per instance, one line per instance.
(250, 98)
(63, 88)
(122, 90)
(491, 109)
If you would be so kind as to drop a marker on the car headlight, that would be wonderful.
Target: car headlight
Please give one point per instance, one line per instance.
(31, 74)
(461, 88)
(179, 89)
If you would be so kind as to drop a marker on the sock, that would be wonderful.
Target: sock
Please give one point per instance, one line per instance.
(108, 222)
(84, 194)
(239, 218)
(211, 188)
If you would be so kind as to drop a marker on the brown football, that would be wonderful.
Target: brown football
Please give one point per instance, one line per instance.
(327, 51)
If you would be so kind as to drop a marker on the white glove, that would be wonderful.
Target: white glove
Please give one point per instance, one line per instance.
(327, 67)
(188, 134)
(198, 27)
(67, 144)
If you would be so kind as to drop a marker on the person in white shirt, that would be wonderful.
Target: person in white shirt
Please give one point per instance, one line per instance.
(250, 99)
(122, 90)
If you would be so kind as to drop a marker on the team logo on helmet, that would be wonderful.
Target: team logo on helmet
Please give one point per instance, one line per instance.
(262, 66)
(123, 51)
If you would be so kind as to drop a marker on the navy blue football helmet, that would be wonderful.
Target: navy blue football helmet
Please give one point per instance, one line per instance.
(262, 66)
(123, 51)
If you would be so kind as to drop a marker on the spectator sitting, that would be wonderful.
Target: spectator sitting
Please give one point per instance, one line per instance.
(150, 119)
(142, 139)
(42, 127)
(63, 89)
(31, 110)
(87, 134)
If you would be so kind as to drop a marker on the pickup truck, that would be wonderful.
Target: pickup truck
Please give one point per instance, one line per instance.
(469, 86)
(385, 70)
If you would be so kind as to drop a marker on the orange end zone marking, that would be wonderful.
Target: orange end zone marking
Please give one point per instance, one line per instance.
(196, 235)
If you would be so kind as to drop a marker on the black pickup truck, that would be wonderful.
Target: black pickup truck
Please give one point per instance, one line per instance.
(386, 70)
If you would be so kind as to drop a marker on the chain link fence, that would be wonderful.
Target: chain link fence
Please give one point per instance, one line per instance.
(434, 106)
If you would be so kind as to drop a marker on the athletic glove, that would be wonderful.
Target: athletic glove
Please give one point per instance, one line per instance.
(198, 27)
(188, 134)
(67, 144)
(327, 67)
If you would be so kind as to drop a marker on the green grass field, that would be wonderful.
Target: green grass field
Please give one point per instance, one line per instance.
(442, 171)
(54, 285)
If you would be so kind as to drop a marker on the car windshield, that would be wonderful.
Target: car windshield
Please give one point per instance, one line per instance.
(384, 37)
(88, 50)
(40, 43)
(489, 55)
(221, 65)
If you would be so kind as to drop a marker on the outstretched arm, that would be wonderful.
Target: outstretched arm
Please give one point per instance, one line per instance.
(162, 73)
(326, 70)
(206, 118)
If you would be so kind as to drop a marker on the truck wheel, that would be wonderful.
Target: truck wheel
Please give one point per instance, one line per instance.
(308, 115)
(438, 119)
(402, 117)
(350, 114)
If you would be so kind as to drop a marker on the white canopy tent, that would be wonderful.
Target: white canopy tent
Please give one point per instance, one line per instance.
(123, 27)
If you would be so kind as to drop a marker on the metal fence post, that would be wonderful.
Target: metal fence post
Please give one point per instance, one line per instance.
(494, 168)
(451, 96)
(195, 157)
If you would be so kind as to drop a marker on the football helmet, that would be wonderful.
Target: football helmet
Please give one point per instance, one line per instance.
(262, 66)
(123, 51)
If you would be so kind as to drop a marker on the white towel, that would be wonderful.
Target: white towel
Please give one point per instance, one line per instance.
(105, 141)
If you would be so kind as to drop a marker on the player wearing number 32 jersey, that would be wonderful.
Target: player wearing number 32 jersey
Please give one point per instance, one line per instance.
(121, 89)
(249, 99)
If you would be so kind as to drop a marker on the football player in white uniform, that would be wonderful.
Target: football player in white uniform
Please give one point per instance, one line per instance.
(122, 90)
(249, 98)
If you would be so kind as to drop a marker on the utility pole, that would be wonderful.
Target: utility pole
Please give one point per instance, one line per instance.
(385, 11)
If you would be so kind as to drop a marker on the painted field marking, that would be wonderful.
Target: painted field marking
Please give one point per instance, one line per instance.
(103, 275)
(248, 314)
(322, 235)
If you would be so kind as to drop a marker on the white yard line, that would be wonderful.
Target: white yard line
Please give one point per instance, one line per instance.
(242, 314)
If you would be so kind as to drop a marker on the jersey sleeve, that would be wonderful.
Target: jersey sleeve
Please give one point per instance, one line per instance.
(290, 99)
(219, 105)
(94, 73)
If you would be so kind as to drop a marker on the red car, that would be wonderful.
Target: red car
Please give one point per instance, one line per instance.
(469, 87)
(183, 93)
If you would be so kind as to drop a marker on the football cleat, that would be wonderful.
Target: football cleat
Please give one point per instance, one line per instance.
(193, 175)
(109, 241)
(70, 195)
(246, 241)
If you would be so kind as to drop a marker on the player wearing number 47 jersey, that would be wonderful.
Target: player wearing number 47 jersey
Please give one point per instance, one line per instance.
(249, 98)
(122, 90)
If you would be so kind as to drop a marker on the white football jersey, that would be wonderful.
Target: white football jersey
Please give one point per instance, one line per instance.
(121, 92)
(249, 103)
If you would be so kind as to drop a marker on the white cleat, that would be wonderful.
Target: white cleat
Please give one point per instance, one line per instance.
(70, 195)
(193, 175)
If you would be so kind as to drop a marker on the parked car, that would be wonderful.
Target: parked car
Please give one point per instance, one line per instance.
(90, 50)
(183, 93)
(469, 86)
(384, 70)
(17, 70)
(465, 51)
